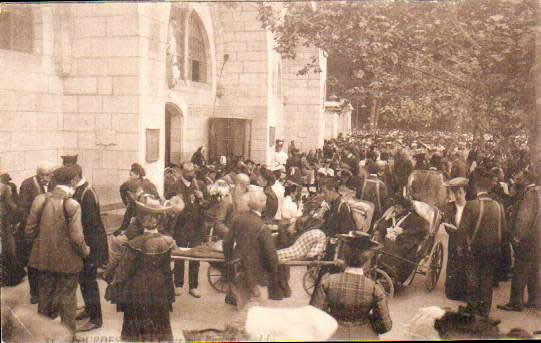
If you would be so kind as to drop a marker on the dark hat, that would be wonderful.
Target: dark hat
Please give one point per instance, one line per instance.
(279, 142)
(64, 175)
(358, 240)
(138, 169)
(419, 156)
(69, 159)
(457, 182)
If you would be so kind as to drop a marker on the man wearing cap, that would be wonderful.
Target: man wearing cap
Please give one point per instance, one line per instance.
(482, 226)
(96, 238)
(59, 247)
(455, 282)
(354, 300)
(30, 189)
(188, 229)
(526, 243)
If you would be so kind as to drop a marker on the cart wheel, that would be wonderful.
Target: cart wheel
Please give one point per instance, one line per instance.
(385, 281)
(309, 279)
(216, 279)
(435, 267)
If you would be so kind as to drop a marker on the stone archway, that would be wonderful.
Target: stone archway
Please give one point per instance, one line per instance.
(174, 123)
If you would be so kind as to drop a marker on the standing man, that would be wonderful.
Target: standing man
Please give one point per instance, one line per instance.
(59, 247)
(96, 238)
(482, 226)
(280, 157)
(30, 189)
(526, 246)
(189, 228)
(252, 243)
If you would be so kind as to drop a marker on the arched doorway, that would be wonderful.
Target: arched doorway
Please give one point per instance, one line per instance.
(174, 122)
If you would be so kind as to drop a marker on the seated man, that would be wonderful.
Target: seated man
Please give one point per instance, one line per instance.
(403, 228)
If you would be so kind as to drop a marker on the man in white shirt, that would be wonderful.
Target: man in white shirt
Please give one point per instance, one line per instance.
(280, 157)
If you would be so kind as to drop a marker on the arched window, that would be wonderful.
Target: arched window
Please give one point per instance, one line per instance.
(16, 28)
(197, 50)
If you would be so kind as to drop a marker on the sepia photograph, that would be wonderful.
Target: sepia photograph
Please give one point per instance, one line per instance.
(270, 171)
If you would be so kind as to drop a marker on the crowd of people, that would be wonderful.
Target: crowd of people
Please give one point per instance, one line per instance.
(265, 214)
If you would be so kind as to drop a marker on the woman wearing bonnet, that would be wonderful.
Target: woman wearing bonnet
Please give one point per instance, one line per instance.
(142, 283)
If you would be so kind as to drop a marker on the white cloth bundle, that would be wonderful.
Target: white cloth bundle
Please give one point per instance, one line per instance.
(305, 323)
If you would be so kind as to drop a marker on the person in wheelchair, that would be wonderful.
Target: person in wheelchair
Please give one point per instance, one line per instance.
(402, 230)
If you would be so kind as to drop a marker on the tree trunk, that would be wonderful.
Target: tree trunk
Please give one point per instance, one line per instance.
(535, 139)
(373, 116)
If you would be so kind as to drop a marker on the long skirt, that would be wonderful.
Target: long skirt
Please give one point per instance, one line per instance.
(146, 323)
(11, 270)
(456, 277)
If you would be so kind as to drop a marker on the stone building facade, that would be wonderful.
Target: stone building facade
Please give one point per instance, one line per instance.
(100, 79)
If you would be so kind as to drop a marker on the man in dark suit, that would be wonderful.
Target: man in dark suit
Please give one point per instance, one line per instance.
(482, 227)
(96, 238)
(30, 189)
(188, 230)
(252, 243)
(526, 246)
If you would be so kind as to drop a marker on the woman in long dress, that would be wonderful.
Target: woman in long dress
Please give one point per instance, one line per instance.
(142, 284)
(455, 281)
(356, 302)
(12, 271)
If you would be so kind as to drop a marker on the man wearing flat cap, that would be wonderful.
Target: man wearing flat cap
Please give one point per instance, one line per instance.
(30, 189)
(482, 225)
(455, 282)
(59, 247)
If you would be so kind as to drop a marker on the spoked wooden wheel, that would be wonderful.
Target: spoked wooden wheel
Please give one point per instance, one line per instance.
(216, 279)
(309, 279)
(385, 281)
(434, 268)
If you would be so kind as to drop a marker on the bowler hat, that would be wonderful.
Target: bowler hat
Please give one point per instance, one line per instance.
(358, 240)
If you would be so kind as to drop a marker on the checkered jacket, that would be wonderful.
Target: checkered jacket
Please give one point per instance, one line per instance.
(310, 244)
(349, 297)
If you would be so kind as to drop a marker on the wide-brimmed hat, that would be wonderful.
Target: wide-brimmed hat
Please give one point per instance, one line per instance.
(152, 206)
(358, 240)
(457, 182)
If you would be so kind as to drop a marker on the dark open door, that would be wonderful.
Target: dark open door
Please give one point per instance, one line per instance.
(229, 137)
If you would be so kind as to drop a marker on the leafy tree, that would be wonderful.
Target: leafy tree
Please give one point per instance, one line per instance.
(422, 63)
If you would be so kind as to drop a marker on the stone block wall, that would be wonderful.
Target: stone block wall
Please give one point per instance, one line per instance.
(101, 112)
(304, 100)
(31, 102)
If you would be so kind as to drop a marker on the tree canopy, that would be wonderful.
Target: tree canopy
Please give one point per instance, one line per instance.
(454, 64)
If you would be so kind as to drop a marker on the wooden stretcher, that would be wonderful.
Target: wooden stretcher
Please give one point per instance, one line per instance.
(216, 269)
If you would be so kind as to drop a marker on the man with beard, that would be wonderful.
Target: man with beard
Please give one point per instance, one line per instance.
(30, 189)
(188, 229)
